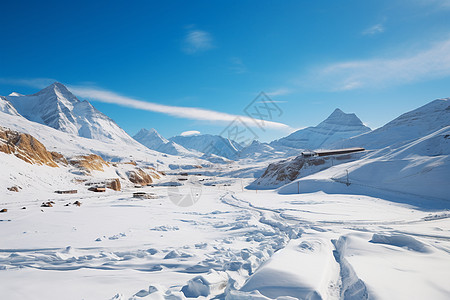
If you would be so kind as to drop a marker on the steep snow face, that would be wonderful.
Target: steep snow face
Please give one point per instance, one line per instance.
(7, 108)
(337, 126)
(409, 126)
(57, 107)
(51, 106)
(258, 151)
(153, 140)
(209, 144)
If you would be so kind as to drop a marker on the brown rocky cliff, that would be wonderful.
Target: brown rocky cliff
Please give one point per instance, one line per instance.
(25, 147)
(89, 162)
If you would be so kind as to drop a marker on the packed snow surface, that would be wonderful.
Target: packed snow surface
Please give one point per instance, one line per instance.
(232, 243)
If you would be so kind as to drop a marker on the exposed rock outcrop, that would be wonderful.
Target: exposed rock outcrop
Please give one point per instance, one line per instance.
(59, 158)
(14, 189)
(25, 147)
(88, 163)
(114, 184)
(139, 176)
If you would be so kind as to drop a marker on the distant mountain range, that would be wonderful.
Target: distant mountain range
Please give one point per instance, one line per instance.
(153, 140)
(55, 106)
(338, 126)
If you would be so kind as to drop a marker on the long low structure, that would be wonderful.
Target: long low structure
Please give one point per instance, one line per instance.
(331, 152)
(67, 192)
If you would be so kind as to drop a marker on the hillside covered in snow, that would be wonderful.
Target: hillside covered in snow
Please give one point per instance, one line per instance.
(338, 126)
(410, 155)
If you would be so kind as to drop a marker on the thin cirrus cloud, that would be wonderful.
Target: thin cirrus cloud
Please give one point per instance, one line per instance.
(280, 92)
(197, 41)
(375, 29)
(430, 63)
(192, 113)
(237, 66)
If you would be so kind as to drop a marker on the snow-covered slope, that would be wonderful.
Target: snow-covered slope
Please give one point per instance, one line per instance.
(407, 127)
(420, 167)
(6, 107)
(153, 140)
(72, 145)
(337, 126)
(285, 171)
(258, 151)
(209, 144)
(412, 156)
(57, 107)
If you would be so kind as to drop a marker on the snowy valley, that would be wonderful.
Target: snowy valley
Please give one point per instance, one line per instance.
(202, 216)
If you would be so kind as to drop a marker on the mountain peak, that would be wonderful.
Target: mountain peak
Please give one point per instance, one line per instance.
(339, 117)
(338, 126)
(144, 131)
(59, 90)
(149, 136)
(337, 111)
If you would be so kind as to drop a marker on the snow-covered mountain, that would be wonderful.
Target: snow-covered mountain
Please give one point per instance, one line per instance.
(57, 107)
(410, 154)
(337, 126)
(209, 144)
(407, 127)
(6, 107)
(258, 151)
(153, 140)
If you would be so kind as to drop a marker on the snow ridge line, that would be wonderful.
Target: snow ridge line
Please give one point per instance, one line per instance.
(352, 287)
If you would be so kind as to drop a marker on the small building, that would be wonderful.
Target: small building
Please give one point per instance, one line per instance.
(144, 195)
(67, 192)
(97, 189)
(309, 154)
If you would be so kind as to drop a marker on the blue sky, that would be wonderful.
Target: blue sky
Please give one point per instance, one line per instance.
(195, 65)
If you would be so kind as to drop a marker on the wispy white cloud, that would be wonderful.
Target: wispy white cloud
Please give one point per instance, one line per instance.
(106, 96)
(237, 66)
(190, 132)
(197, 41)
(433, 62)
(280, 92)
(435, 4)
(193, 113)
(375, 29)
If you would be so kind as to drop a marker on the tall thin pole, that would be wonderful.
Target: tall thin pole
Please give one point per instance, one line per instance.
(298, 187)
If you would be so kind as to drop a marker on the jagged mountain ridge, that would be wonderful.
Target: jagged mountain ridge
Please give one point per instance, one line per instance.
(407, 127)
(209, 144)
(153, 140)
(57, 107)
(337, 126)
